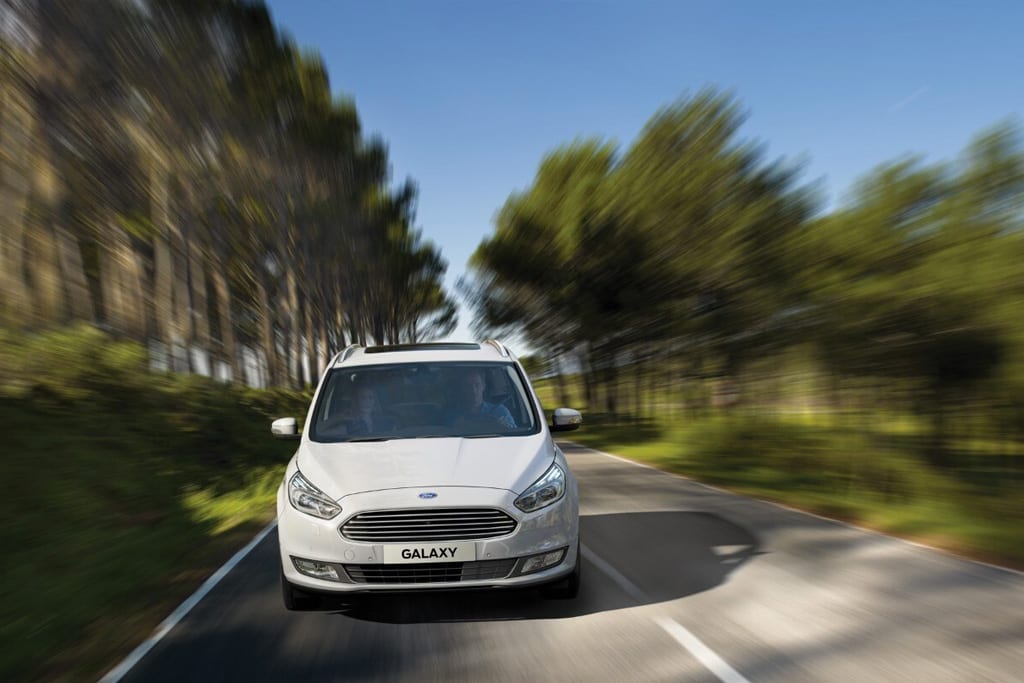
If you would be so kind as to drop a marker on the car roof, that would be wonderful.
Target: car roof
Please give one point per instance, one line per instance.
(489, 350)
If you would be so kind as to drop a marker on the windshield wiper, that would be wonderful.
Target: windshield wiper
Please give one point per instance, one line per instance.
(369, 438)
(480, 436)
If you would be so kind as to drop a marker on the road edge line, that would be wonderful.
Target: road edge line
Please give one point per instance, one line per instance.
(133, 658)
(851, 525)
(628, 587)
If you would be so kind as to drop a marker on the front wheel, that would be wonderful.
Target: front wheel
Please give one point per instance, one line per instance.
(567, 588)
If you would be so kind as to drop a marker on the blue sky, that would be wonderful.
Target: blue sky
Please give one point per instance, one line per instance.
(469, 95)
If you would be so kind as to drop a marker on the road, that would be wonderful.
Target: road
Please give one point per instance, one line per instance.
(681, 583)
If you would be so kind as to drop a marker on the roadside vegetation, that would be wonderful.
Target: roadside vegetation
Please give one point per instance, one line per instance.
(125, 490)
(865, 360)
(869, 467)
(182, 176)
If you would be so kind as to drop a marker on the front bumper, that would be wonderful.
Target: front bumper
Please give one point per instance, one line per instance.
(308, 538)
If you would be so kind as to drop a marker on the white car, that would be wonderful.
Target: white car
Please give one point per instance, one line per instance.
(426, 466)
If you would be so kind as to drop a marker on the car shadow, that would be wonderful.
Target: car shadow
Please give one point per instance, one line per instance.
(629, 559)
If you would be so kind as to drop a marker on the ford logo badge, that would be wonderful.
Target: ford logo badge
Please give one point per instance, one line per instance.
(428, 495)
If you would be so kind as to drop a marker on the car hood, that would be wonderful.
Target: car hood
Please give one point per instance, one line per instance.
(509, 463)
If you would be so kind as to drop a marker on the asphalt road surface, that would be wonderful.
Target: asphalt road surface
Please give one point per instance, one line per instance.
(680, 583)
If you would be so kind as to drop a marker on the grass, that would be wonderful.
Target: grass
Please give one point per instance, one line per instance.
(125, 490)
(869, 469)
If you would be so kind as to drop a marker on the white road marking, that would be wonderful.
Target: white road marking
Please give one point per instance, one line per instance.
(704, 654)
(691, 643)
(875, 532)
(118, 672)
(631, 589)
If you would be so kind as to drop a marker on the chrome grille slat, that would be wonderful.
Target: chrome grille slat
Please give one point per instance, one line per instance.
(440, 514)
(451, 519)
(441, 572)
(475, 527)
(431, 538)
(443, 524)
(453, 522)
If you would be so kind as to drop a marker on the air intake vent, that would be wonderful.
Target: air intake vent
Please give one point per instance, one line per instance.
(443, 572)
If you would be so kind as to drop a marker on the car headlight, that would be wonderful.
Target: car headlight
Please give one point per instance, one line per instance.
(309, 499)
(547, 490)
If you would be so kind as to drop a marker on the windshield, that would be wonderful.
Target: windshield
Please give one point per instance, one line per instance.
(419, 400)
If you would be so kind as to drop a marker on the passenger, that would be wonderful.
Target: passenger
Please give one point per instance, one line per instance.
(470, 404)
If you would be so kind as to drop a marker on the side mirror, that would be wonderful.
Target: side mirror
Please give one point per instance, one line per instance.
(565, 420)
(285, 428)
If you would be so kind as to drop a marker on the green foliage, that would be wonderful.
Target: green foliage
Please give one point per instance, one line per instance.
(69, 364)
(690, 250)
(155, 480)
(680, 237)
(533, 365)
(863, 474)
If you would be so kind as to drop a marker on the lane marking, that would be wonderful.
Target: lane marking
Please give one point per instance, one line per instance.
(682, 635)
(850, 525)
(704, 654)
(119, 671)
(631, 589)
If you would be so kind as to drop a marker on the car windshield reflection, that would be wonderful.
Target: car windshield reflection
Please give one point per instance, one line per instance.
(423, 400)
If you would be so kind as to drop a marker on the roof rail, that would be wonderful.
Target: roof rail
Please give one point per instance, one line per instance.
(348, 352)
(502, 349)
(424, 346)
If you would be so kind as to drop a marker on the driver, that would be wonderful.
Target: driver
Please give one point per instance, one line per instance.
(366, 418)
(470, 404)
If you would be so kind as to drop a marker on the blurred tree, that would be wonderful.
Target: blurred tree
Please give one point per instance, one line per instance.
(180, 172)
(678, 243)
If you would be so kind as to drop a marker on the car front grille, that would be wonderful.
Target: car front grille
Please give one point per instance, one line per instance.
(439, 524)
(438, 572)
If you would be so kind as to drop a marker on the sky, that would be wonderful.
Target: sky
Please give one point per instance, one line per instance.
(469, 95)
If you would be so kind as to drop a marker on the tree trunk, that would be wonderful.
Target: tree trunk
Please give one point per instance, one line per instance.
(637, 391)
(134, 293)
(16, 129)
(267, 332)
(112, 285)
(340, 315)
(227, 331)
(167, 330)
(611, 389)
(313, 352)
(324, 345)
(199, 303)
(563, 389)
(294, 332)
(180, 308)
(42, 253)
(163, 290)
(938, 453)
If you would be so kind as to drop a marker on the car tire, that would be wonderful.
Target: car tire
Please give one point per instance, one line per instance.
(567, 588)
(296, 599)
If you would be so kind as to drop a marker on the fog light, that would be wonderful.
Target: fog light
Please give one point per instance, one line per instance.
(318, 570)
(535, 563)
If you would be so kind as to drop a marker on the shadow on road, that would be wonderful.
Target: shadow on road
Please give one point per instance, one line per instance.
(667, 555)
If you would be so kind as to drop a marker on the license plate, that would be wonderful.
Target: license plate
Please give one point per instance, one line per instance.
(429, 552)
